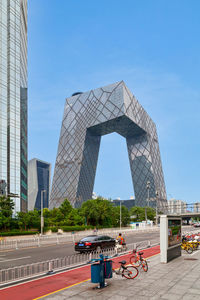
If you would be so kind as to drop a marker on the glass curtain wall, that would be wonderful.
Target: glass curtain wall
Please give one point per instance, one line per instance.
(13, 78)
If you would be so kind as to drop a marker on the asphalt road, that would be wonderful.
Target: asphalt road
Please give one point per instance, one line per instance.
(12, 258)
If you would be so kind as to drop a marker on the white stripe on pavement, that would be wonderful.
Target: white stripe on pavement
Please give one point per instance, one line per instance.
(15, 259)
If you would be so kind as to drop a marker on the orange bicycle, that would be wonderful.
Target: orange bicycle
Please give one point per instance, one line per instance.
(138, 261)
(129, 272)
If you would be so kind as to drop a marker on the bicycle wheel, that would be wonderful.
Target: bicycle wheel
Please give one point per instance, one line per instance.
(144, 265)
(189, 249)
(130, 272)
(134, 261)
(195, 246)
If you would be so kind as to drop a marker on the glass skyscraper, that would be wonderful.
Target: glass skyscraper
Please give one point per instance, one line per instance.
(39, 178)
(13, 99)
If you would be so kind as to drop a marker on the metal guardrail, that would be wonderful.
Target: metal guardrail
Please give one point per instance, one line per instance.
(8, 244)
(47, 267)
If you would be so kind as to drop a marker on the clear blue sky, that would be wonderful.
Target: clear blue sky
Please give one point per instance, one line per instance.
(154, 46)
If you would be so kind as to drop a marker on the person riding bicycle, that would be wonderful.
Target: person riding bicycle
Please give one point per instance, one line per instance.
(184, 239)
(121, 240)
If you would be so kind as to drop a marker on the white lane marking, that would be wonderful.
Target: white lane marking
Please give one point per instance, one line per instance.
(15, 259)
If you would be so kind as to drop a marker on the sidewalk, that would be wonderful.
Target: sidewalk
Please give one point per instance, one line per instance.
(179, 279)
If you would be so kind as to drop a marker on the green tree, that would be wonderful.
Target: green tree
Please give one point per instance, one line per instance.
(125, 216)
(151, 213)
(55, 217)
(138, 213)
(23, 220)
(34, 217)
(6, 210)
(65, 207)
(74, 218)
(98, 212)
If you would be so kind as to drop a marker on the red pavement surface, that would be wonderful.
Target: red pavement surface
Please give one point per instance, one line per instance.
(41, 287)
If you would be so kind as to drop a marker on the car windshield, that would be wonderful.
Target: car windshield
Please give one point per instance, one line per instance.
(89, 238)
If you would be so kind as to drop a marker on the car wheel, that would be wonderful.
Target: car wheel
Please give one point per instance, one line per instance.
(98, 249)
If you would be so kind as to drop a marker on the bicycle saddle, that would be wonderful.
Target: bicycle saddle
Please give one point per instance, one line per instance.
(123, 262)
(140, 253)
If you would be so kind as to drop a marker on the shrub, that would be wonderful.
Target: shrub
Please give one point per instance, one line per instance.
(75, 228)
(13, 233)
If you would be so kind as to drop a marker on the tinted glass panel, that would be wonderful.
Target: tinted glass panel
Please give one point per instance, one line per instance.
(89, 238)
(107, 238)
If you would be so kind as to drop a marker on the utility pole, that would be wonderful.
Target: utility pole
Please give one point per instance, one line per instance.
(42, 218)
(148, 187)
(157, 194)
(120, 215)
(145, 214)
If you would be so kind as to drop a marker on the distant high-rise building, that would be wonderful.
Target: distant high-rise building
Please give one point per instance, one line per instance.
(196, 207)
(176, 206)
(13, 99)
(39, 176)
(2, 187)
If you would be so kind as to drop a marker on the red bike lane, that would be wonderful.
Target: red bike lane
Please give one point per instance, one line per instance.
(42, 287)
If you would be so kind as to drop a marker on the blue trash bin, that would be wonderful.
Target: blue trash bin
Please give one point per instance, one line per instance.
(108, 269)
(95, 273)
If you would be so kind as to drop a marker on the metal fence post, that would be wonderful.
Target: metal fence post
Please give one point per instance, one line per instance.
(38, 241)
(50, 267)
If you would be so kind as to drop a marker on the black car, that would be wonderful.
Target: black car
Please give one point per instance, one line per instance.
(94, 243)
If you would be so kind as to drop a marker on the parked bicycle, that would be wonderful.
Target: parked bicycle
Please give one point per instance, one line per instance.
(138, 261)
(187, 247)
(129, 272)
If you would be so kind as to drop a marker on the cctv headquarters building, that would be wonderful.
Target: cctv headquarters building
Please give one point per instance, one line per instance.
(87, 117)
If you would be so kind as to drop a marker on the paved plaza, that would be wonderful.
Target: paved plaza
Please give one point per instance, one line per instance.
(179, 279)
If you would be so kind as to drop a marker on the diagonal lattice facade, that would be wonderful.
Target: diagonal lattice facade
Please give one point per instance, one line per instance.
(86, 118)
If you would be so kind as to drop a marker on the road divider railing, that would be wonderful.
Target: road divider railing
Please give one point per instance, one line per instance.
(39, 241)
(19, 273)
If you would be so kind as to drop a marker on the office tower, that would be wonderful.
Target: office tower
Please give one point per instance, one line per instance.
(39, 176)
(176, 206)
(2, 188)
(13, 99)
(88, 116)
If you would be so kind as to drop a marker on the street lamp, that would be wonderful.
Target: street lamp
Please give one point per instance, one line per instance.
(148, 187)
(157, 198)
(120, 218)
(42, 218)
